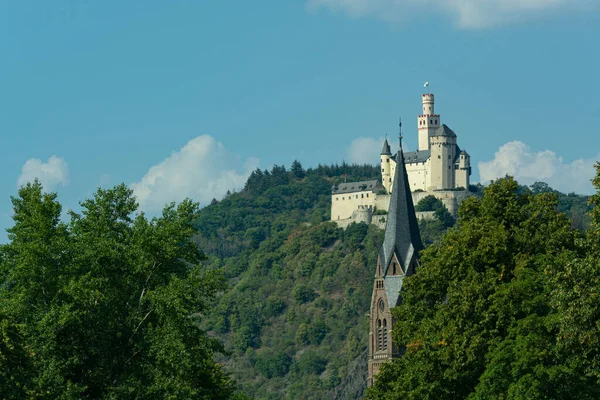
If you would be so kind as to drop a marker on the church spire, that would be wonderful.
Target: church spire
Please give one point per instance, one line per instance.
(400, 132)
(402, 236)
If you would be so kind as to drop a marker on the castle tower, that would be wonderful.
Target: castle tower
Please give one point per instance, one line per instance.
(443, 155)
(463, 172)
(428, 122)
(386, 168)
(398, 258)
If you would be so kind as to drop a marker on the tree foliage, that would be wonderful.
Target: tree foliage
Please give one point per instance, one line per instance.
(302, 285)
(113, 305)
(504, 307)
(105, 306)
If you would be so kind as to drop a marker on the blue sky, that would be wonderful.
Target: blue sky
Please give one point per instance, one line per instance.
(184, 98)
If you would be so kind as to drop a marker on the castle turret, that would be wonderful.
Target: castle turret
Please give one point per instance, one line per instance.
(398, 258)
(428, 122)
(386, 168)
(443, 155)
(463, 170)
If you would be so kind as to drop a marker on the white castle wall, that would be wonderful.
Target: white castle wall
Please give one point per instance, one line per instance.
(379, 220)
(344, 204)
(418, 175)
(365, 212)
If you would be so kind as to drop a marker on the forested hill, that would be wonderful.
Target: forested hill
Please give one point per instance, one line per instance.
(295, 316)
(109, 304)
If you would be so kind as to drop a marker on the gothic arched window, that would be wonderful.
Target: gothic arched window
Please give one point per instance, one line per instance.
(385, 334)
(379, 335)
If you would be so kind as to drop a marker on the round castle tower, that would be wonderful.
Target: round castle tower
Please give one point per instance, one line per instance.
(363, 214)
(428, 122)
(386, 168)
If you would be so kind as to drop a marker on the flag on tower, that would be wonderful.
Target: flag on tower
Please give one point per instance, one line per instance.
(426, 84)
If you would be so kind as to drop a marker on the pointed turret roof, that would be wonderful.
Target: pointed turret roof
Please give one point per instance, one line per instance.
(386, 149)
(402, 235)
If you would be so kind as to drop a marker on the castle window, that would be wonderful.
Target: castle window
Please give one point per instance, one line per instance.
(436, 121)
(362, 196)
(439, 156)
(367, 194)
(431, 121)
(393, 268)
(385, 334)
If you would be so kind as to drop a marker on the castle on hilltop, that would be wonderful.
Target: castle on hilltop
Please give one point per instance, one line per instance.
(439, 167)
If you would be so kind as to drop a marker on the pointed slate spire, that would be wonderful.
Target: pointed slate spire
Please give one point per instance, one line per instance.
(402, 236)
(386, 148)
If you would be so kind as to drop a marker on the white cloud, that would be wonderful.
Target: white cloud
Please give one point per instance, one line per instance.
(469, 14)
(364, 150)
(527, 166)
(50, 173)
(201, 170)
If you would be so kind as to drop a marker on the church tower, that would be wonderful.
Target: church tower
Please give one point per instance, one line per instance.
(428, 122)
(398, 258)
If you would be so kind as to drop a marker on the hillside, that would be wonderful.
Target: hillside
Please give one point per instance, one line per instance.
(295, 316)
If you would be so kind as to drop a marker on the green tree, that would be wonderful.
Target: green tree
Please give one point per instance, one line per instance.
(272, 364)
(431, 203)
(310, 362)
(107, 306)
(303, 294)
(478, 320)
(427, 203)
(297, 170)
(16, 370)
